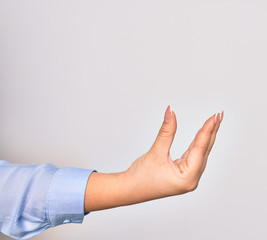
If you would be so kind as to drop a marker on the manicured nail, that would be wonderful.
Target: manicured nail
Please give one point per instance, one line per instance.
(217, 118)
(168, 113)
(221, 115)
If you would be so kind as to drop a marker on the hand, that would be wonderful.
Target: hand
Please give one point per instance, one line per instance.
(154, 174)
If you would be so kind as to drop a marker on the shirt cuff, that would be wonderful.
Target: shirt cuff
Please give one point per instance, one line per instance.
(66, 195)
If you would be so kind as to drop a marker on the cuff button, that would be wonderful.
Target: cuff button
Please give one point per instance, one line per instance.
(66, 221)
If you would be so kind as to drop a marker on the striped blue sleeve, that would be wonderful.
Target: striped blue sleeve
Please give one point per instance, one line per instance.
(36, 197)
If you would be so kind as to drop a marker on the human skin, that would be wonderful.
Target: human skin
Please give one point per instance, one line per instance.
(154, 174)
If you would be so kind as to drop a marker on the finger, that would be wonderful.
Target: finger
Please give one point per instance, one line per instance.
(165, 137)
(184, 156)
(199, 148)
(212, 141)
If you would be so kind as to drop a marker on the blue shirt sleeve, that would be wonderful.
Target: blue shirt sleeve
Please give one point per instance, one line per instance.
(36, 197)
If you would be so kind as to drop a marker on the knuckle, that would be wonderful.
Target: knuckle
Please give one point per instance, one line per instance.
(164, 131)
(202, 149)
(200, 132)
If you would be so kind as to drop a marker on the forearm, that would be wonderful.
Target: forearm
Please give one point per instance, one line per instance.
(106, 190)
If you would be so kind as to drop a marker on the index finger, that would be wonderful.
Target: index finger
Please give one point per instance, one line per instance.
(196, 155)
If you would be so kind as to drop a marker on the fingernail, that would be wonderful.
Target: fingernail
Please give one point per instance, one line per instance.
(217, 118)
(221, 115)
(168, 114)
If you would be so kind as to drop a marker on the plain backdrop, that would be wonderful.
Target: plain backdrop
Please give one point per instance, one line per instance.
(86, 83)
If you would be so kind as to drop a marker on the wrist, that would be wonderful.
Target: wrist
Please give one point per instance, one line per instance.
(106, 190)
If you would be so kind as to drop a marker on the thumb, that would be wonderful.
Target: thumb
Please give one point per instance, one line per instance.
(166, 133)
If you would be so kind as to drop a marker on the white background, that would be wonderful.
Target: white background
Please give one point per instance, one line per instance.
(86, 84)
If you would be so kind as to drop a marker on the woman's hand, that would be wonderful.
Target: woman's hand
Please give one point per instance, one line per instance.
(154, 174)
